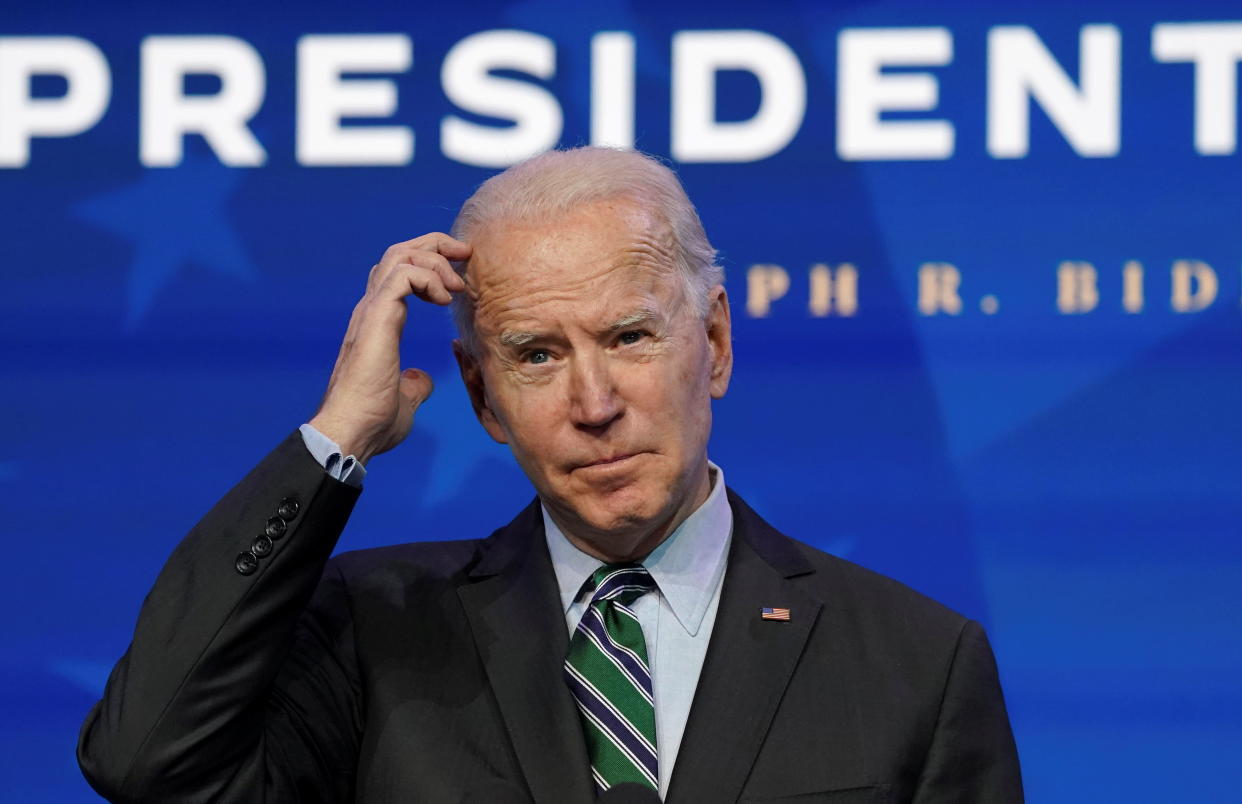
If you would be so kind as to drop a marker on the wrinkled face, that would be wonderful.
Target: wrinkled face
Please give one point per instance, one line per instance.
(594, 369)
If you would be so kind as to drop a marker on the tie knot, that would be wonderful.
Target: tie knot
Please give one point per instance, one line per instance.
(623, 583)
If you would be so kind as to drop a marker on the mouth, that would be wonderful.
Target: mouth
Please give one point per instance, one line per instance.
(613, 460)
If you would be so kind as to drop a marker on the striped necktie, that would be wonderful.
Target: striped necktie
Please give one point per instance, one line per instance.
(610, 678)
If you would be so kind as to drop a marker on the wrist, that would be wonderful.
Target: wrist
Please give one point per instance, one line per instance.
(347, 439)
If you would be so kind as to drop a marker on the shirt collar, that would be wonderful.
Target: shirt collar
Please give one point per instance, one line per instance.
(687, 566)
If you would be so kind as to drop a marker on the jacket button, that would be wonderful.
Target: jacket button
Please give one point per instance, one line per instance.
(275, 528)
(288, 509)
(261, 546)
(246, 563)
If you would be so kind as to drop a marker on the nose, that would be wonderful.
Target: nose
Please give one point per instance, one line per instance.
(594, 403)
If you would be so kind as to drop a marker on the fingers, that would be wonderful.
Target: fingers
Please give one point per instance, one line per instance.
(420, 267)
(424, 283)
(441, 243)
(415, 386)
(437, 263)
(431, 261)
(435, 242)
(370, 403)
(432, 251)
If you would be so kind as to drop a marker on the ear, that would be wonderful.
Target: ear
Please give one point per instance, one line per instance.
(472, 376)
(719, 340)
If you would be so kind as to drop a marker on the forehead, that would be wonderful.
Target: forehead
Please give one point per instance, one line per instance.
(584, 263)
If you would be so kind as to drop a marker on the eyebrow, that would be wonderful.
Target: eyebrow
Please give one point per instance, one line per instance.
(639, 316)
(515, 338)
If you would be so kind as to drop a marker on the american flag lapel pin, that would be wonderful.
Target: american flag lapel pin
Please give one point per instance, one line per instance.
(780, 615)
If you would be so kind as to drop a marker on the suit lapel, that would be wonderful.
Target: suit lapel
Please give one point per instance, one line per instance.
(515, 615)
(749, 662)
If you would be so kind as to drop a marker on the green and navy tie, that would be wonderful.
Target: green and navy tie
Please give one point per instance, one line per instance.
(610, 678)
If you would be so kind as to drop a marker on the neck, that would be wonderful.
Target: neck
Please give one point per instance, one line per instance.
(633, 544)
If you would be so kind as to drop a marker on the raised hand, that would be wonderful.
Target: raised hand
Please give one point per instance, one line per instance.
(370, 403)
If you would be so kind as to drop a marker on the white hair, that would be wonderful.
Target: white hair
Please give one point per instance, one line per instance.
(554, 183)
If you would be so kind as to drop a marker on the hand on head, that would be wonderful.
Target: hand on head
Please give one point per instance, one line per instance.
(597, 334)
(370, 401)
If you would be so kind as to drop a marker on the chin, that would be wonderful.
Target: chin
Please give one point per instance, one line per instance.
(625, 509)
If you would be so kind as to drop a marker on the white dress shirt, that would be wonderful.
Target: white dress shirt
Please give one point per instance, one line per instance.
(688, 569)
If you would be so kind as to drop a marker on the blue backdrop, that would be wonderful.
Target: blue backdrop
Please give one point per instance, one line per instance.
(987, 303)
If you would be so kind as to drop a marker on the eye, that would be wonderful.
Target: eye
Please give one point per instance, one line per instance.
(631, 337)
(538, 356)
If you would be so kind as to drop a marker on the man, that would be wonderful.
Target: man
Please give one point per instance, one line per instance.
(712, 659)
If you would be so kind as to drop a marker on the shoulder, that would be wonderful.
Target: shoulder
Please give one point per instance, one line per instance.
(835, 577)
(400, 586)
(854, 598)
(862, 594)
(400, 564)
(886, 631)
(433, 568)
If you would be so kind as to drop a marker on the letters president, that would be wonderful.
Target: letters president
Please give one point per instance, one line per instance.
(636, 624)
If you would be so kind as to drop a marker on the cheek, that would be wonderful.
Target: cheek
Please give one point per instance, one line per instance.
(675, 394)
(693, 374)
(694, 402)
(531, 416)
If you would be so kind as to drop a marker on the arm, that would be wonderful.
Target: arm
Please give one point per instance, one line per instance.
(972, 757)
(192, 703)
(240, 683)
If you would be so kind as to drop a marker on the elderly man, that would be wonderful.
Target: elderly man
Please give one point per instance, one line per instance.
(636, 627)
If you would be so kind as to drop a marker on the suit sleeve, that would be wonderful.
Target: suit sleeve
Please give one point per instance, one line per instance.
(240, 683)
(972, 757)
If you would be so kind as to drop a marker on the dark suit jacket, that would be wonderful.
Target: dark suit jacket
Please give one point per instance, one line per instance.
(432, 672)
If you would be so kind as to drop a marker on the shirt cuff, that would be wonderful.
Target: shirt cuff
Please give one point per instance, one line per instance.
(328, 453)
